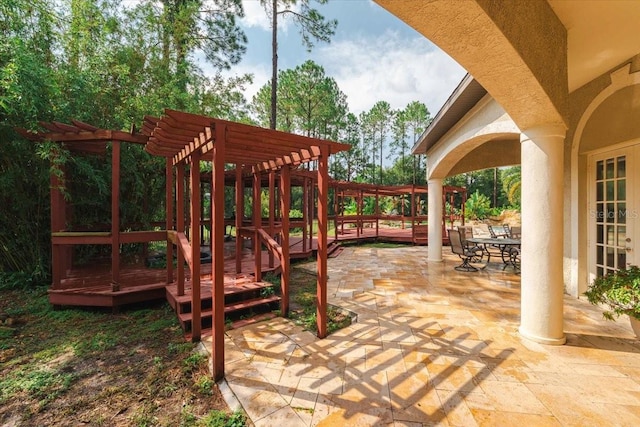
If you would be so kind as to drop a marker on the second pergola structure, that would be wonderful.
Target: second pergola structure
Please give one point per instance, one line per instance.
(186, 139)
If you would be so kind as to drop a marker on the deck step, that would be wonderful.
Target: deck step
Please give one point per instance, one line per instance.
(229, 308)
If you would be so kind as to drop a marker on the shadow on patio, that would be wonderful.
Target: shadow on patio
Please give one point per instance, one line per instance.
(432, 346)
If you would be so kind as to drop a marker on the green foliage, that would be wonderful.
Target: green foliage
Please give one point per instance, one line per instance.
(95, 62)
(512, 184)
(194, 362)
(619, 291)
(223, 419)
(477, 206)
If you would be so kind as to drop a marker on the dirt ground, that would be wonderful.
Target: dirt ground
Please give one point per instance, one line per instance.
(79, 367)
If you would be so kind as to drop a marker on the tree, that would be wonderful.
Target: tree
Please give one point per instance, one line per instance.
(310, 102)
(399, 145)
(376, 122)
(312, 25)
(512, 184)
(98, 63)
(349, 134)
(189, 25)
(417, 119)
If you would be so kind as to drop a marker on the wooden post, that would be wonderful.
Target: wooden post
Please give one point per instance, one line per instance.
(323, 190)
(305, 213)
(217, 253)
(311, 208)
(257, 223)
(272, 210)
(285, 202)
(115, 216)
(169, 216)
(196, 302)
(57, 224)
(377, 213)
(180, 223)
(239, 215)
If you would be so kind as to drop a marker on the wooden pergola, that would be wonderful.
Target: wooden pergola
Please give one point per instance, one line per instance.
(186, 139)
(84, 139)
(415, 195)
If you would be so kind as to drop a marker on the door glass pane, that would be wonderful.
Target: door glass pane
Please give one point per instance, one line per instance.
(600, 170)
(622, 189)
(600, 254)
(599, 234)
(610, 214)
(622, 167)
(622, 235)
(610, 190)
(622, 213)
(622, 258)
(610, 235)
(609, 171)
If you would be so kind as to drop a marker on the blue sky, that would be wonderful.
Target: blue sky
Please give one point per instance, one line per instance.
(373, 56)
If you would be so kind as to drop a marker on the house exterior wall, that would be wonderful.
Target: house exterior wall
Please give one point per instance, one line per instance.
(464, 148)
(603, 113)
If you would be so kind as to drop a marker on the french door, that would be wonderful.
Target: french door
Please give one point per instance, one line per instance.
(613, 210)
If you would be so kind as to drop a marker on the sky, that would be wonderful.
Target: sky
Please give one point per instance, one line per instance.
(373, 56)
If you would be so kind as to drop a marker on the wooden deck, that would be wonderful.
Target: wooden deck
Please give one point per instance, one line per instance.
(91, 285)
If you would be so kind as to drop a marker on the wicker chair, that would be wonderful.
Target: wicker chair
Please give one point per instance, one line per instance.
(466, 254)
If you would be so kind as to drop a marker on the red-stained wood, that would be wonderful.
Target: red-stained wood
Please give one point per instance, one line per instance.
(115, 215)
(217, 251)
(285, 202)
(305, 212)
(323, 195)
(57, 224)
(180, 223)
(169, 199)
(196, 302)
(239, 215)
(272, 210)
(257, 223)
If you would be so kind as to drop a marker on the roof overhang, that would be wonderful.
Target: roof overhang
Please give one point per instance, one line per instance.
(460, 102)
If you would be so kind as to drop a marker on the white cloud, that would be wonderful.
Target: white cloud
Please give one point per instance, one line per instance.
(255, 16)
(391, 69)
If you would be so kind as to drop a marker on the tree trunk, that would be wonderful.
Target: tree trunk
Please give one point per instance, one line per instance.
(274, 71)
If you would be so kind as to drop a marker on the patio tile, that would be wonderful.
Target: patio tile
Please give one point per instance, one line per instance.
(432, 346)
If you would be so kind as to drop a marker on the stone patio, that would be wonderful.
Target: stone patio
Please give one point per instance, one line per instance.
(432, 346)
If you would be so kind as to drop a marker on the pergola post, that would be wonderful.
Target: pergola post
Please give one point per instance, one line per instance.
(217, 251)
(180, 224)
(257, 223)
(305, 212)
(58, 220)
(285, 203)
(323, 192)
(169, 216)
(115, 216)
(311, 210)
(239, 215)
(272, 209)
(196, 302)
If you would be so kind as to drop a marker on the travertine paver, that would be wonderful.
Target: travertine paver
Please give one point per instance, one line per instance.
(432, 346)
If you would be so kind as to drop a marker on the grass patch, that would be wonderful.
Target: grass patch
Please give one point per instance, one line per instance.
(94, 367)
(303, 303)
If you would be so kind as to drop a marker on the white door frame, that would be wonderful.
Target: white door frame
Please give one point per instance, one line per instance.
(631, 151)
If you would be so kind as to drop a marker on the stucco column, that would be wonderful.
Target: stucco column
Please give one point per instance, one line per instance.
(434, 208)
(542, 285)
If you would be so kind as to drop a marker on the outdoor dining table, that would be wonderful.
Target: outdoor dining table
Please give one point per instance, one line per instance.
(498, 242)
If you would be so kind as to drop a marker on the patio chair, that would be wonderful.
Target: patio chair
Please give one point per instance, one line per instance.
(515, 232)
(466, 254)
(498, 231)
(466, 232)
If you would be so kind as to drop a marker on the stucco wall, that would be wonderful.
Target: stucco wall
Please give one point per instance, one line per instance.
(598, 119)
